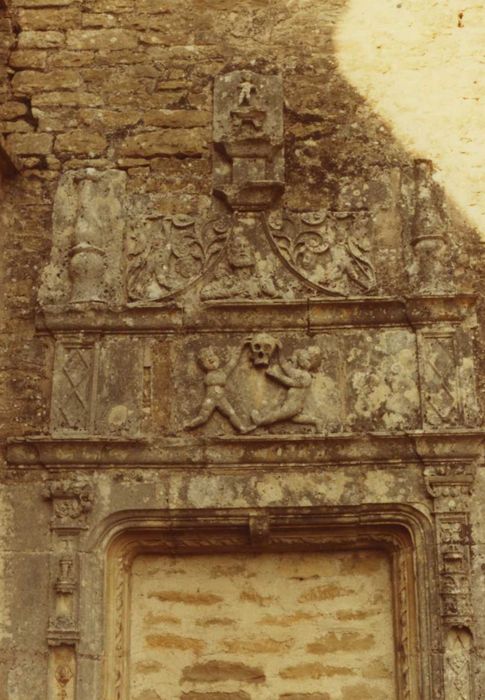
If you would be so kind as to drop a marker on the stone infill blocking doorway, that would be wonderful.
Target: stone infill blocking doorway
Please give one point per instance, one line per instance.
(265, 611)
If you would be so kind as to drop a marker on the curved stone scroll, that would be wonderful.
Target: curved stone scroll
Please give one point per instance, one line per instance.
(328, 249)
(169, 253)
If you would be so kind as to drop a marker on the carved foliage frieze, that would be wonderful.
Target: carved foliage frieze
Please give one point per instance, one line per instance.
(331, 250)
(166, 254)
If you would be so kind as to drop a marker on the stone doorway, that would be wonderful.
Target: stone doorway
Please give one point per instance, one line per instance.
(262, 626)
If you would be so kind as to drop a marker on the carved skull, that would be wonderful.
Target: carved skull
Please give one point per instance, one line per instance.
(262, 347)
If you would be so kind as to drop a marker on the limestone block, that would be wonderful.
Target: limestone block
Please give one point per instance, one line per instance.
(40, 40)
(113, 39)
(28, 82)
(173, 142)
(30, 144)
(177, 118)
(81, 142)
(32, 19)
(28, 58)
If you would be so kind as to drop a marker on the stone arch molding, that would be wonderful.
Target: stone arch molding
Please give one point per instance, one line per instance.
(403, 533)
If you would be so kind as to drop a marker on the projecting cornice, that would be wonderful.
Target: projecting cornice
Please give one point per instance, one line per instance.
(252, 451)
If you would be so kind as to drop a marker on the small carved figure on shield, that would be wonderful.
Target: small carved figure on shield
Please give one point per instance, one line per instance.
(296, 375)
(215, 395)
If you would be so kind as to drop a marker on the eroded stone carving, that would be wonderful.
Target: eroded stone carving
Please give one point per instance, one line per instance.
(430, 271)
(248, 137)
(88, 225)
(62, 674)
(447, 379)
(72, 501)
(65, 586)
(329, 250)
(166, 254)
(215, 382)
(458, 666)
(296, 375)
(451, 486)
(262, 347)
(73, 391)
(240, 274)
(249, 268)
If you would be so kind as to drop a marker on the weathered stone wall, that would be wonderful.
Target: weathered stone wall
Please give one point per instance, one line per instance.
(107, 116)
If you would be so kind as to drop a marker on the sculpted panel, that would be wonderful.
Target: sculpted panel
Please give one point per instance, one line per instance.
(329, 249)
(165, 254)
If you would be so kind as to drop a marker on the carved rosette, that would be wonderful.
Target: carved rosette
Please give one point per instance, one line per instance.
(71, 503)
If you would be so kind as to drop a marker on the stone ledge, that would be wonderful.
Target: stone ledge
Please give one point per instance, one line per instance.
(309, 314)
(251, 451)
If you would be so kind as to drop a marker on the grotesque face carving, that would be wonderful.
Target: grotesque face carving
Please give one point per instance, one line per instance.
(240, 253)
(262, 347)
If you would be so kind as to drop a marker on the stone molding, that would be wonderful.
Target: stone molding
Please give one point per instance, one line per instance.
(310, 314)
(401, 532)
(456, 447)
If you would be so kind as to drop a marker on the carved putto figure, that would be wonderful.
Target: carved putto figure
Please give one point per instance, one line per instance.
(296, 375)
(247, 88)
(215, 384)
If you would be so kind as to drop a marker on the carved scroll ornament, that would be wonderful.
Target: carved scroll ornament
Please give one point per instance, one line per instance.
(330, 250)
(167, 254)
